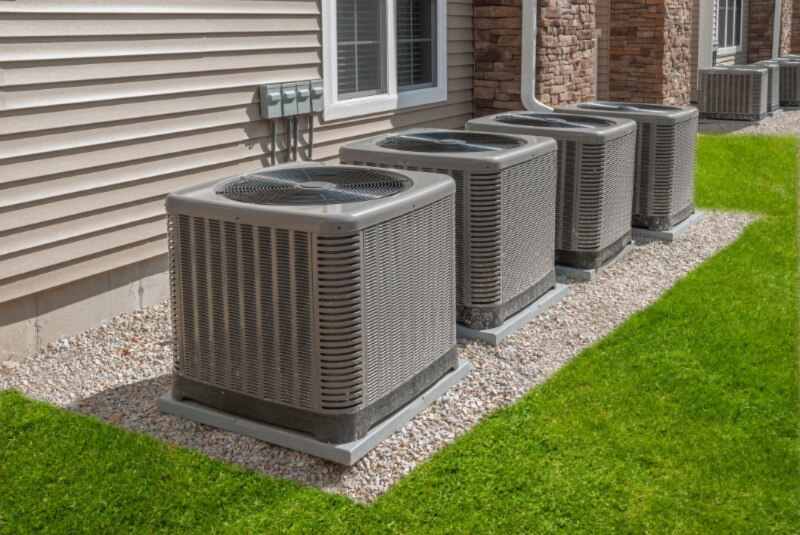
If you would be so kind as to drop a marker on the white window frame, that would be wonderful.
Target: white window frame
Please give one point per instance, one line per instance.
(739, 19)
(392, 99)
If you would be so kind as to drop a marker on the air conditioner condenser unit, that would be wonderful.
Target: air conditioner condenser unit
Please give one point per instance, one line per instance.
(733, 93)
(595, 180)
(318, 298)
(666, 145)
(505, 211)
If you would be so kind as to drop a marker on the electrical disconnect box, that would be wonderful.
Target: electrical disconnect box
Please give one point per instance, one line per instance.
(291, 98)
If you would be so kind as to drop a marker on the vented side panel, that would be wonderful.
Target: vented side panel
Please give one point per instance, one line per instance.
(733, 95)
(339, 301)
(243, 318)
(620, 155)
(646, 144)
(529, 212)
(482, 221)
(790, 84)
(409, 296)
(594, 197)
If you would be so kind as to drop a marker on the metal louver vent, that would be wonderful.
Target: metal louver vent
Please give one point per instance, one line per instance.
(313, 185)
(548, 120)
(447, 141)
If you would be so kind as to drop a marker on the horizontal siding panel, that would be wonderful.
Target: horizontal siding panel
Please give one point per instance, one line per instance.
(82, 267)
(44, 50)
(107, 106)
(189, 7)
(60, 71)
(21, 25)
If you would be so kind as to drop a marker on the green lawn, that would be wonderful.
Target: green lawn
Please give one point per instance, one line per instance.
(684, 419)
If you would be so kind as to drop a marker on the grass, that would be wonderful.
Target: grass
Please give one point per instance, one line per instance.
(683, 419)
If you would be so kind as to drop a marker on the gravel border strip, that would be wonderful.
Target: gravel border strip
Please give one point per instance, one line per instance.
(117, 371)
(785, 123)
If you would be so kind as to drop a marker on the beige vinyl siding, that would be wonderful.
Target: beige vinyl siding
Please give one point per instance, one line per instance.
(603, 22)
(108, 105)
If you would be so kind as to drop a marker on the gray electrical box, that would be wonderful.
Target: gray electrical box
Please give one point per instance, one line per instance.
(317, 102)
(303, 97)
(289, 99)
(270, 97)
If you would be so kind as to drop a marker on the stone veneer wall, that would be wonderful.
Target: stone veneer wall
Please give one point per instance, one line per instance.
(565, 53)
(795, 39)
(760, 29)
(650, 51)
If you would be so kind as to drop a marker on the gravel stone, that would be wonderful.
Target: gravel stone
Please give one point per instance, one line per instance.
(116, 371)
(786, 122)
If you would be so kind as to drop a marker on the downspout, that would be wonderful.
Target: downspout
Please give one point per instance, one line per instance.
(528, 74)
(776, 31)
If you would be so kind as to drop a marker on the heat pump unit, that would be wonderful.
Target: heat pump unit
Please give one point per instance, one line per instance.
(773, 83)
(789, 80)
(595, 180)
(317, 298)
(666, 140)
(733, 93)
(505, 211)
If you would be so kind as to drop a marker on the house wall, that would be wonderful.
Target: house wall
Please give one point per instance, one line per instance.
(787, 19)
(650, 51)
(564, 59)
(108, 105)
(760, 29)
(795, 31)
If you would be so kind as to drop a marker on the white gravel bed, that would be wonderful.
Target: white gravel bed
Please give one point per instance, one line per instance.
(787, 122)
(117, 371)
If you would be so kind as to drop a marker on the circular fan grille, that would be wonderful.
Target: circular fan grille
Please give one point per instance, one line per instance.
(447, 141)
(626, 106)
(548, 120)
(314, 185)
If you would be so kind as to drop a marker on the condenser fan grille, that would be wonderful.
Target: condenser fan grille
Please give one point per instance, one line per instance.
(314, 185)
(449, 142)
(547, 120)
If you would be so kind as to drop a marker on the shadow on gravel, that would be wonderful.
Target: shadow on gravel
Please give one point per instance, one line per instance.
(133, 407)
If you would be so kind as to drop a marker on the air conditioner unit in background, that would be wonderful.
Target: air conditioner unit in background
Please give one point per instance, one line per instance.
(773, 83)
(733, 93)
(505, 211)
(595, 180)
(666, 143)
(789, 80)
(318, 298)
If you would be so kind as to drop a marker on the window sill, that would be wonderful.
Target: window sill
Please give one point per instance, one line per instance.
(357, 107)
(729, 51)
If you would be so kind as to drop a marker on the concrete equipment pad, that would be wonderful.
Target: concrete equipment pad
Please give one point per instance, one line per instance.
(495, 335)
(348, 453)
(584, 274)
(670, 235)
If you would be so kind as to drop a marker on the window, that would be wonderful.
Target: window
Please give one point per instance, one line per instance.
(381, 55)
(729, 26)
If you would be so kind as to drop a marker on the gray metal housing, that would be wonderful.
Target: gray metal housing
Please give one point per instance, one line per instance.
(595, 180)
(773, 82)
(790, 80)
(733, 93)
(319, 318)
(505, 209)
(666, 142)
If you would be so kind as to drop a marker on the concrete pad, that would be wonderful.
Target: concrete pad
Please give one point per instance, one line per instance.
(644, 235)
(584, 274)
(495, 335)
(348, 453)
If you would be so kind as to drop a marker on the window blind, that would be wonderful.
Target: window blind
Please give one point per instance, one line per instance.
(415, 51)
(360, 37)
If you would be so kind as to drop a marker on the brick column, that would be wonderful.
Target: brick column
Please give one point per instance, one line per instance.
(761, 25)
(795, 39)
(650, 51)
(564, 59)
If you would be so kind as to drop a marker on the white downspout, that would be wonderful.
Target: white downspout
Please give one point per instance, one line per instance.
(528, 74)
(776, 30)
